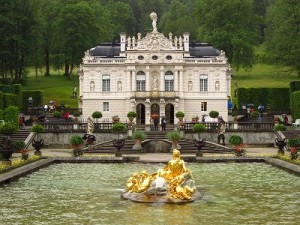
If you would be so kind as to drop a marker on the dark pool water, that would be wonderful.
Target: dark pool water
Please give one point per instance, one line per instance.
(234, 193)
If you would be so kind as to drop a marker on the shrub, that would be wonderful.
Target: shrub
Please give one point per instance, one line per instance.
(279, 127)
(56, 114)
(254, 114)
(76, 114)
(213, 114)
(179, 114)
(236, 140)
(19, 145)
(37, 128)
(131, 114)
(76, 140)
(97, 115)
(199, 127)
(138, 135)
(119, 127)
(11, 114)
(9, 129)
(173, 135)
(293, 142)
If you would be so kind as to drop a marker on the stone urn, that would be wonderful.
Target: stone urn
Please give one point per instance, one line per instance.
(37, 146)
(199, 144)
(7, 150)
(119, 144)
(280, 145)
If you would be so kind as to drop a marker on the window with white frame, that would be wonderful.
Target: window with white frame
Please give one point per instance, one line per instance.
(106, 83)
(169, 81)
(105, 106)
(203, 82)
(203, 106)
(140, 81)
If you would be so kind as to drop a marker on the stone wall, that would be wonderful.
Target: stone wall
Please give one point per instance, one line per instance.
(62, 140)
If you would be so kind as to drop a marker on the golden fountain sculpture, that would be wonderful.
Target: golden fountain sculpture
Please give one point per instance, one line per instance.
(172, 184)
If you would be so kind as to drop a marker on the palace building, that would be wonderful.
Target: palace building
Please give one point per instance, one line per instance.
(154, 75)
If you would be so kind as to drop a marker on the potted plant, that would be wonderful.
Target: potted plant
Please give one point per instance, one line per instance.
(199, 144)
(115, 119)
(119, 142)
(237, 142)
(131, 115)
(179, 115)
(37, 143)
(294, 143)
(138, 136)
(195, 119)
(174, 137)
(56, 114)
(19, 145)
(77, 142)
(7, 130)
(279, 127)
(97, 115)
(76, 114)
(214, 114)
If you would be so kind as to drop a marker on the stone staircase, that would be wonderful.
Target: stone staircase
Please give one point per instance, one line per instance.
(20, 135)
(155, 137)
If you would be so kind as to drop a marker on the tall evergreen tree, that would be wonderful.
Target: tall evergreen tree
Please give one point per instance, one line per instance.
(230, 25)
(283, 33)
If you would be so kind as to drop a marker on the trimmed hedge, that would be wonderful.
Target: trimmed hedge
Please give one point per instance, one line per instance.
(294, 86)
(36, 95)
(295, 104)
(277, 98)
(11, 100)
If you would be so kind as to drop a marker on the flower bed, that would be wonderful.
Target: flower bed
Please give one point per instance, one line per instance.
(18, 163)
(287, 158)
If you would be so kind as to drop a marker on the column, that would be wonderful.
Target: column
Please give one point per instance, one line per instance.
(133, 80)
(162, 79)
(147, 78)
(176, 81)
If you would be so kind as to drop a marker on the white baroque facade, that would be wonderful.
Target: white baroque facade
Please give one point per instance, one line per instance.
(154, 75)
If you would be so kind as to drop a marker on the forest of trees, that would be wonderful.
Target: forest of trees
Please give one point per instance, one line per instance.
(56, 33)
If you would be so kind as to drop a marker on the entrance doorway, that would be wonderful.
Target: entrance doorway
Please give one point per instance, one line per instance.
(140, 117)
(154, 109)
(169, 112)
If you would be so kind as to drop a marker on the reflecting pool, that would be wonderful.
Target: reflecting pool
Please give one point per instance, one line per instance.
(245, 193)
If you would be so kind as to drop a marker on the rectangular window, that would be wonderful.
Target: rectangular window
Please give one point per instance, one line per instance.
(106, 83)
(203, 82)
(141, 83)
(203, 106)
(105, 106)
(169, 85)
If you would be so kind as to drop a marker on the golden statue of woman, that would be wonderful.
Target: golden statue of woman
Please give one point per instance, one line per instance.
(174, 168)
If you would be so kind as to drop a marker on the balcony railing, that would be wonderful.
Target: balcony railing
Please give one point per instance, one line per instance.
(81, 126)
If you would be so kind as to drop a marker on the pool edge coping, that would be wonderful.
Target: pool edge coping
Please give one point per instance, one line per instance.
(32, 167)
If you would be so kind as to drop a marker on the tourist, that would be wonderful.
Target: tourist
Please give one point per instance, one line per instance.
(163, 123)
(156, 123)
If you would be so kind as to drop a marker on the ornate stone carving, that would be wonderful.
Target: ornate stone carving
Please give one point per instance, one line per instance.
(155, 41)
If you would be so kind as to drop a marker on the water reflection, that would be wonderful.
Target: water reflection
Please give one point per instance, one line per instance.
(248, 193)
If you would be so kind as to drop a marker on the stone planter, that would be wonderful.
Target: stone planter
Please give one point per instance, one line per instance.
(119, 144)
(199, 144)
(37, 146)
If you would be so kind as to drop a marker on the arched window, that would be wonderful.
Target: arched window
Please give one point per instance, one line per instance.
(140, 81)
(169, 81)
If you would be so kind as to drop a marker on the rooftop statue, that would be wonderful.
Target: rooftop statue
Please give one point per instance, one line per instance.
(153, 17)
(171, 184)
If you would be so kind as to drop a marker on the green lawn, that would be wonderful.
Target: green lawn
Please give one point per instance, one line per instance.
(263, 75)
(56, 87)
